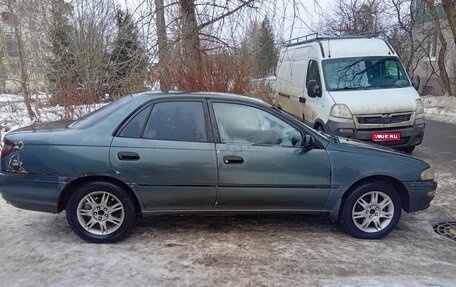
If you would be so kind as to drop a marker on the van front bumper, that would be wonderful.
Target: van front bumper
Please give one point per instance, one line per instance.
(411, 135)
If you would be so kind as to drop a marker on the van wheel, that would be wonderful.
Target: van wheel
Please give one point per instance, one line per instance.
(371, 211)
(409, 149)
(319, 128)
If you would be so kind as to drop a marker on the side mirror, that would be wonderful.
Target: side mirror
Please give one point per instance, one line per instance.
(313, 89)
(416, 81)
(308, 142)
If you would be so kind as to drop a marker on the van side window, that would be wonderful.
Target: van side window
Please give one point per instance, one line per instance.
(312, 72)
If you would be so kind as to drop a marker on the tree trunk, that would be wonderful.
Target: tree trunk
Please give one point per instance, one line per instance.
(163, 48)
(22, 62)
(448, 6)
(443, 49)
(190, 38)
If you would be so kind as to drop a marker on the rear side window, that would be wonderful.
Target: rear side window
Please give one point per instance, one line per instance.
(135, 127)
(177, 121)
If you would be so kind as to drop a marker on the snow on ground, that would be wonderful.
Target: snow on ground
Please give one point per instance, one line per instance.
(39, 249)
(441, 108)
(13, 113)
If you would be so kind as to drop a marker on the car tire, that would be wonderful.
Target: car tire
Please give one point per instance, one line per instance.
(371, 210)
(319, 128)
(409, 149)
(100, 212)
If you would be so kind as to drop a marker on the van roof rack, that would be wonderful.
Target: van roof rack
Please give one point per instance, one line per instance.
(315, 37)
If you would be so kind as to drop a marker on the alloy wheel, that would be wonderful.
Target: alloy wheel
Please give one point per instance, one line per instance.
(373, 211)
(100, 213)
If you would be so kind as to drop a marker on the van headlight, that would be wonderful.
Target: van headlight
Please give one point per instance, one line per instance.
(419, 108)
(427, 174)
(341, 111)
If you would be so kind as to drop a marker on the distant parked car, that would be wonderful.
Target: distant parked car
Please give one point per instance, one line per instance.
(204, 153)
(264, 88)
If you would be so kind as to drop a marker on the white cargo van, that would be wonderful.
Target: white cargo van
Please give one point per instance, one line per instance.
(354, 87)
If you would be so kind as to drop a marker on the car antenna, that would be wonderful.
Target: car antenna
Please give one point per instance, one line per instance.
(329, 48)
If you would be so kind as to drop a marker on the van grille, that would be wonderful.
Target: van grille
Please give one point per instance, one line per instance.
(384, 119)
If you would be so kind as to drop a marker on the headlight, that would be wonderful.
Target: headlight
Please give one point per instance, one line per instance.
(341, 111)
(419, 108)
(427, 174)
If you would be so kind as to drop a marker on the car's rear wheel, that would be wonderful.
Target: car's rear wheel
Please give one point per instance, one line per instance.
(371, 210)
(100, 212)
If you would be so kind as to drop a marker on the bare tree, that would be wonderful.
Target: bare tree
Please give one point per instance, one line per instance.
(448, 7)
(409, 38)
(18, 25)
(443, 46)
(355, 17)
(190, 37)
(163, 46)
(94, 25)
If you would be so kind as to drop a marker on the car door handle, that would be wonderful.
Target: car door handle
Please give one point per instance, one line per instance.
(232, 159)
(127, 155)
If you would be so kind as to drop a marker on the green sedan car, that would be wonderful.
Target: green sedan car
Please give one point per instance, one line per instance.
(174, 153)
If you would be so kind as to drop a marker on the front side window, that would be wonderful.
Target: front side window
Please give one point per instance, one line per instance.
(249, 125)
(177, 121)
(364, 73)
(313, 72)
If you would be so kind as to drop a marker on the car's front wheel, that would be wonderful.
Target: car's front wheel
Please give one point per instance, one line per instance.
(100, 212)
(371, 210)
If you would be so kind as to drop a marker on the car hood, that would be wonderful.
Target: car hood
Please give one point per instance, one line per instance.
(370, 146)
(394, 100)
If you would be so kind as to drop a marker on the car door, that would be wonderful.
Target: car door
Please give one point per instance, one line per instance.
(166, 150)
(261, 164)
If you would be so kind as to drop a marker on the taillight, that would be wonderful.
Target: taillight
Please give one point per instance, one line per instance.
(6, 149)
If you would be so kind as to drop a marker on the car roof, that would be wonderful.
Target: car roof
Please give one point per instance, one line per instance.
(208, 95)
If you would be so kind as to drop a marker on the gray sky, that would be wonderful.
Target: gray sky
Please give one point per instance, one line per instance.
(298, 18)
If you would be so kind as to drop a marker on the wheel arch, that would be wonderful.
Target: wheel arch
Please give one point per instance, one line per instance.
(319, 122)
(69, 187)
(397, 184)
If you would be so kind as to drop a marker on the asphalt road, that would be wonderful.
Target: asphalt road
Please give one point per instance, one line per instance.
(440, 138)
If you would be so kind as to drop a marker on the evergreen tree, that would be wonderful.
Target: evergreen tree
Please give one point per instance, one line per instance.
(61, 73)
(128, 62)
(267, 52)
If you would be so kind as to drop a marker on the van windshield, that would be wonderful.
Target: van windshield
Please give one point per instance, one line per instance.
(364, 73)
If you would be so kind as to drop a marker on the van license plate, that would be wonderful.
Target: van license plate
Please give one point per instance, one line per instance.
(384, 137)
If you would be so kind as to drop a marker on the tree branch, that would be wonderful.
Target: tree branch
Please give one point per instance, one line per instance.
(208, 23)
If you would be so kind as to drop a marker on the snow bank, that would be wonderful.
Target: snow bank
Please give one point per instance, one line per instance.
(441, 108)
(13, 113)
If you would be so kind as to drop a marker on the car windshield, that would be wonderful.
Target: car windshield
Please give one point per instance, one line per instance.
(364, 73)
(98, 115)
